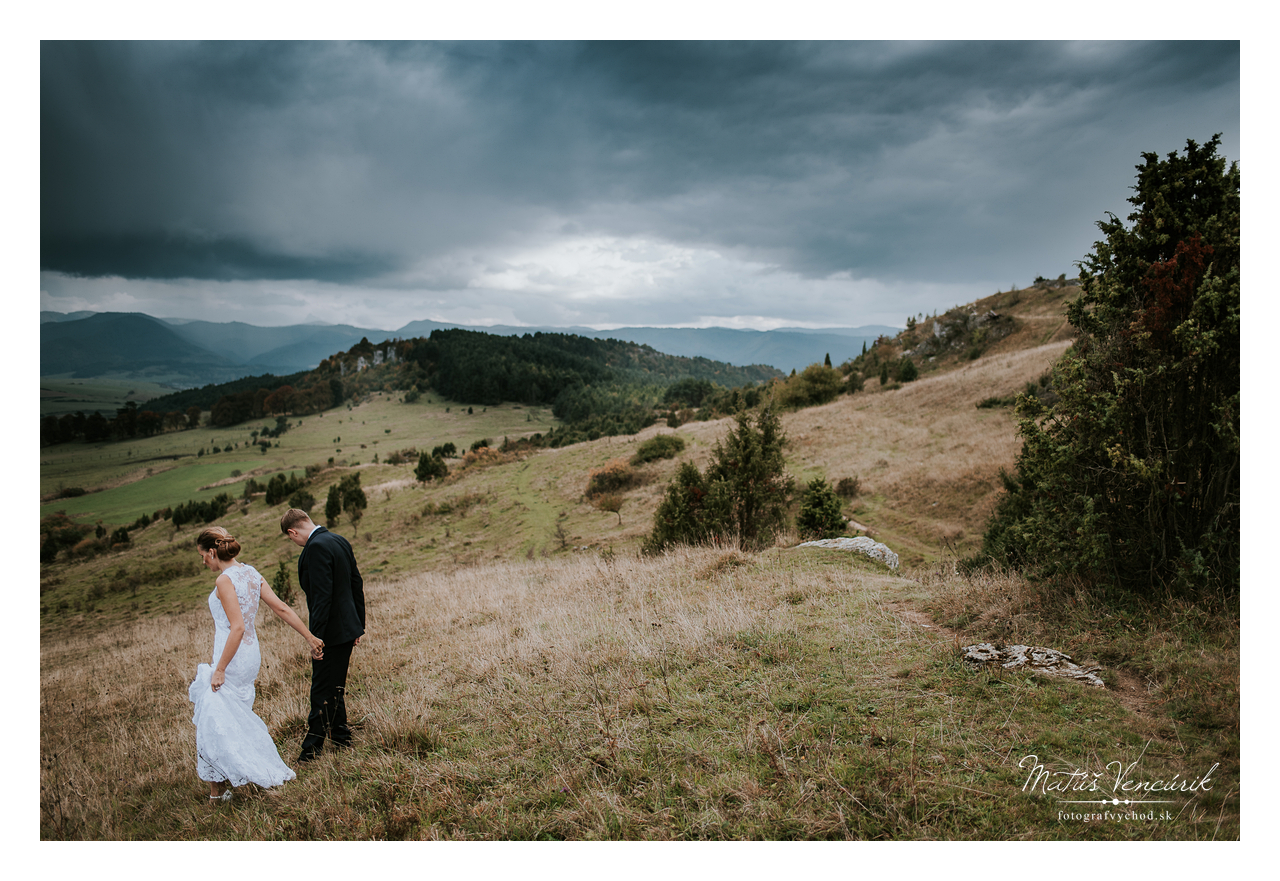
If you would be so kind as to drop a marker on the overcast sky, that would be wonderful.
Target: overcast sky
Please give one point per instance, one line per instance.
(686, 184)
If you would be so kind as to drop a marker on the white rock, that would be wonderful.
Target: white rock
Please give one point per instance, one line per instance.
(862, 544)
(1038, 658)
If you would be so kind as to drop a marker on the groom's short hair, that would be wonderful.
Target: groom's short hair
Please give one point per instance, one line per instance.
(292, 518)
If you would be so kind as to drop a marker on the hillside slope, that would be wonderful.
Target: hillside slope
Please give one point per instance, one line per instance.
(927, 458)
(526, 676)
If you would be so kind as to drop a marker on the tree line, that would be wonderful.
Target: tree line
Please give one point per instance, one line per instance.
(596, 387)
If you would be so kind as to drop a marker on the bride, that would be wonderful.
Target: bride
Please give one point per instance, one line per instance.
(233, 746)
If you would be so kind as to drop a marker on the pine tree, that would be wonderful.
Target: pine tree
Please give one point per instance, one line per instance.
(333, 507)
(742, 497)
(430, 466)
(749, 461)
(354, 501)
(821, 512)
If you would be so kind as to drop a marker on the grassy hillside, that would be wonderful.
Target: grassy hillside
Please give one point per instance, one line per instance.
(528, 675)
(62, 393)
(700, 695)
(352, 433)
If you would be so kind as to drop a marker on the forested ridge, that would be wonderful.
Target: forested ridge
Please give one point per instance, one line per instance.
(472, 367)
(596, 386)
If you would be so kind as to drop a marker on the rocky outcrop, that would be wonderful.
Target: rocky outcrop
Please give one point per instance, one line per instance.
(862, 544)
(1042, 660)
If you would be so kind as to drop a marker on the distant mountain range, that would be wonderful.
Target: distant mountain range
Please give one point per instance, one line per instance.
(187, 353)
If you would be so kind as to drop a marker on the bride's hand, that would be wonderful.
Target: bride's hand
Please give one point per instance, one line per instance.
(216, 680)
(317, 649)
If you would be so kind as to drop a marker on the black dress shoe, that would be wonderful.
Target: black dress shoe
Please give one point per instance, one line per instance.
(308, 757)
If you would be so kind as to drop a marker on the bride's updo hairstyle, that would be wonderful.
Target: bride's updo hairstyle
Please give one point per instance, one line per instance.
(215, 538)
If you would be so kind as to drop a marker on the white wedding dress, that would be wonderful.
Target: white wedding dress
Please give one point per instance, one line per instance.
(232, 743)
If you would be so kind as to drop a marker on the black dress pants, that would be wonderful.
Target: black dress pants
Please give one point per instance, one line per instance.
(328, 717)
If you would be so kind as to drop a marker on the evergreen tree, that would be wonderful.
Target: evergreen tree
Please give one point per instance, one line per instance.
(354, 501)
(749, 462)
(742, 497)
(821, 512)
(282, 583)
(430, 466)
(684, 515)
(1133, 475)
(333, 507)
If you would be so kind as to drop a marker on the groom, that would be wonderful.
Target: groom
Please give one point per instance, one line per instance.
(335, 610)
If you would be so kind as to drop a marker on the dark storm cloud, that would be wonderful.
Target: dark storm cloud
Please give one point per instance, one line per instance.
(340, 162)
(166, 256)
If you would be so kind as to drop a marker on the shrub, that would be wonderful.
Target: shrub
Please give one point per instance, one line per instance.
(816, 384)
(58, 531)
(282, 583)
(611, 502)
(282, 487)
(848, 487)
(201, 512)
(907, 371)
(88, 547)
(612, 477)
(484, 457)
(430, 467)
(354, 500)
(742, 497)
(333, 507)
(400, 457)
(688, 512)
(662, 446)
(1132, 476)
(302, 500)
(821, 512)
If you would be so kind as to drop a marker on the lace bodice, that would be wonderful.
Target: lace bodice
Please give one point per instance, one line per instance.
(248, 585)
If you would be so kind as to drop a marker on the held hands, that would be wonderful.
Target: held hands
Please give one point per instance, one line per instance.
(317, 648)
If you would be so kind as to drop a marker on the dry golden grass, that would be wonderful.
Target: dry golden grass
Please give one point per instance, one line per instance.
(703, 694)
(927, 457)
(514, 688)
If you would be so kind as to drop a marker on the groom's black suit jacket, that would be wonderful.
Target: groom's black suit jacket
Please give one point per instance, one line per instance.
(335, 591)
